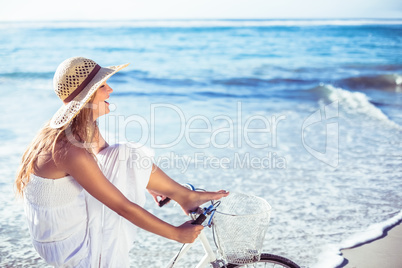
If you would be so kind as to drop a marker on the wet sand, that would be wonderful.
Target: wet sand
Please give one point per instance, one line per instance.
(385, 252)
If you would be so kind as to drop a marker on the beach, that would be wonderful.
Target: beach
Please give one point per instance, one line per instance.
(303, 113)
(384, 252)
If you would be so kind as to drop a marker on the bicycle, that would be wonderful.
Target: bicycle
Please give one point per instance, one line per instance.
(234, 252)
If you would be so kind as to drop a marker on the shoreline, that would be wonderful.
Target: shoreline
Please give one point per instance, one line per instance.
(383, 251)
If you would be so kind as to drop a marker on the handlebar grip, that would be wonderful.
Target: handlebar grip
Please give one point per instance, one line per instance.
(199, 220)
(164, 201)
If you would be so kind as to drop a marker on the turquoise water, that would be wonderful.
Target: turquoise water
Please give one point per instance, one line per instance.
(306, 114)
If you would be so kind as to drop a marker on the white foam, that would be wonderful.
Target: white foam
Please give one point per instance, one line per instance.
(331, 255)
(372, 232)
(355, 102)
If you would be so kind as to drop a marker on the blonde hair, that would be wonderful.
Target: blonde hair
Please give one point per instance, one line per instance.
(80, 132)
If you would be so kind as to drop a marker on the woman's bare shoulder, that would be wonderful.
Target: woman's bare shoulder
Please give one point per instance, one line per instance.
(72, 154)
(56, 164)
(46, 167)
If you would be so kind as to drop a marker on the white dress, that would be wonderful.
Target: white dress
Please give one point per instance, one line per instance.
(70, 228)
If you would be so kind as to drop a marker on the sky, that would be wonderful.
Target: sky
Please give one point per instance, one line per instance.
(44, 10)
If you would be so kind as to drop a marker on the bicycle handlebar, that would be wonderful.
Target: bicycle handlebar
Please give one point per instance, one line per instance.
(200, 219)
(163, 202)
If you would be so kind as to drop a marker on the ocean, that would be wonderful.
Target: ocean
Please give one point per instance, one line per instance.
(303, 113)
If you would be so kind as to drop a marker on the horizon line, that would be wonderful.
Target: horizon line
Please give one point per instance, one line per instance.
(203, 19)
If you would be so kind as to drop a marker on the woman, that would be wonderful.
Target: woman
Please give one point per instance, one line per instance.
(82, 195)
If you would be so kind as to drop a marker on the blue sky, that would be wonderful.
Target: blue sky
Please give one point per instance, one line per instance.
(196, 9)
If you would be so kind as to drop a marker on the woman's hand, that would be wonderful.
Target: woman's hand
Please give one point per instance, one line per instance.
(194, 199)
(187, 232)
(157, 196)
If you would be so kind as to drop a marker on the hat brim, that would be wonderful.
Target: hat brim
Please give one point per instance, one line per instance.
(68, 111)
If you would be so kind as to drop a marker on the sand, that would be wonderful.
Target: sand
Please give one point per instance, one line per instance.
(385, 252)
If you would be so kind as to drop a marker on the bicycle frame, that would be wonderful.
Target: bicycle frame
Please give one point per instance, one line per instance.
(209, 257)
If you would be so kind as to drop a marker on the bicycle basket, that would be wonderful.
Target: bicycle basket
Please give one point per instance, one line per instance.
(240, 223)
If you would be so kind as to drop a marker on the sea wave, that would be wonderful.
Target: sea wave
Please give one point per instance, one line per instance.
(241, 82)
(172, 81)
(257, 82)
(386, 82)
(353, 103)
(193, 95)
(24, 75)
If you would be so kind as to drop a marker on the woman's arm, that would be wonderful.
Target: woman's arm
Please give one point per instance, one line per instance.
(84, 169)
(161, 184)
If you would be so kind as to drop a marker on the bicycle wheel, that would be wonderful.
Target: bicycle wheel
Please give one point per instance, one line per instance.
(269, 260)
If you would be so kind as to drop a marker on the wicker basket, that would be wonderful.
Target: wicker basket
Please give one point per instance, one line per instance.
(240, 224)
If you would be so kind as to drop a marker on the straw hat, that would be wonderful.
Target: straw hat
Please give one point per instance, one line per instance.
(75, 81)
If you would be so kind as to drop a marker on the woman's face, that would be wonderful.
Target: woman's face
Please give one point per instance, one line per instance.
(99, 104)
